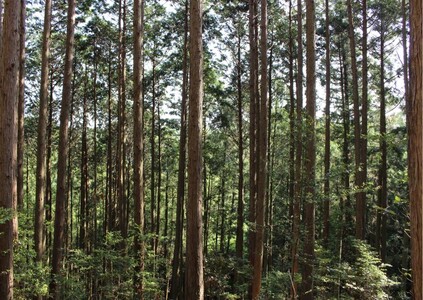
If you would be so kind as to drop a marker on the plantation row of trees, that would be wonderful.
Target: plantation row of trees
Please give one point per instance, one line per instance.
(155, 149)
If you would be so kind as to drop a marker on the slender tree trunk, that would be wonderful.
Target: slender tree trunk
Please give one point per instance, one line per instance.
(153, 154)
(159, 177)
(240, 207)
(9, 72)
(382, 176)
(21, 107)
(360, 204)
(307, 289)
(298, 156)
(109, 224)
(363, 138)
(138, 147)
(253, 86)
(262, 165)
(291, 114)
(194, 257)
(415, 145)
(63, 151)
(326, 203)
(175, 285)
(40, 211)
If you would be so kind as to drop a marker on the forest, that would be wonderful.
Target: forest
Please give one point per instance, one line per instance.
(191, 149)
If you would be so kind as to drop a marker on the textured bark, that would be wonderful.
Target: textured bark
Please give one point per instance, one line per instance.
(382, 174)
(9, 83)
(326, 202)
(40, 211)
(194, 258)
(415, 145)
(253, 86)
(262, 157)
(21, 106)
(307, 291)
(153, 155)
(291, 114)
(138, 31)
(240, 207)
(360, 208)
(298, 155)
(61, 192)
(175, 285)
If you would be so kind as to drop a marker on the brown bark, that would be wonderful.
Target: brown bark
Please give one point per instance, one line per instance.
(138, 146)
(382, 175)
(240, 207)
(40, 211)
(360, 204)
(175, 285)
(307, 291)
(291, 114)
(21, 107)
(262, 158)
(9, 83)
(153, 155)
(326, 202)
(63, 151)
(298, 156)
(194, 258)
(415, 145)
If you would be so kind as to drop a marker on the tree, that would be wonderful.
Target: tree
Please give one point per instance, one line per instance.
(61, 192)
(138, 146)
(415, 145)
(9, 83)
(194, 261)
(307, 291)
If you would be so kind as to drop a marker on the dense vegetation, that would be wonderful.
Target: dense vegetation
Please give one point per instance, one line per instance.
(240, 149)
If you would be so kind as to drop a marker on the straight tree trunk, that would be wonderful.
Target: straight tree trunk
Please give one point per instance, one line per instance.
(307, 289)
(21, 107)
(63, 152)
(175, 285)
(262, 158)
(9, 83)
(159, 177)
(415, 145)
(194, 257)
(326, 203)
(153, 154)
(382, 176)
(40, 211)
(138, 147)
(240, 207)
(291, 114)
(298, 156)
(360, 204)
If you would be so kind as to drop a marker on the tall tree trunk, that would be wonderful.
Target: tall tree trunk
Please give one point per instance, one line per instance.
(83, 212)
(138, 32)
(362, 176)
(9, 72)
(307, 289)
(21, 106)
(291, 114)
(360, 204)
(382, 176)
(262, 158)
(240, 207)
(159, 177)
(194, 257)
(326, 203)
(253, 86)
(153, 154)
(63, 151)
(175, 285)
(40, 211)
(415, 145)
(298, 155)
(109, 224)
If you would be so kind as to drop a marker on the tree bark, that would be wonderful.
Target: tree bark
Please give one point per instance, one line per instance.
(40, 210)
(415, 145)
(9, 83)
(175, 284)
(194, 258)
(326, 203)
(138, 147)
(307, 289)
(63, 151)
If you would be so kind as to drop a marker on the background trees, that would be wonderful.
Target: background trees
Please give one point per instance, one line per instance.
(278, 208)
